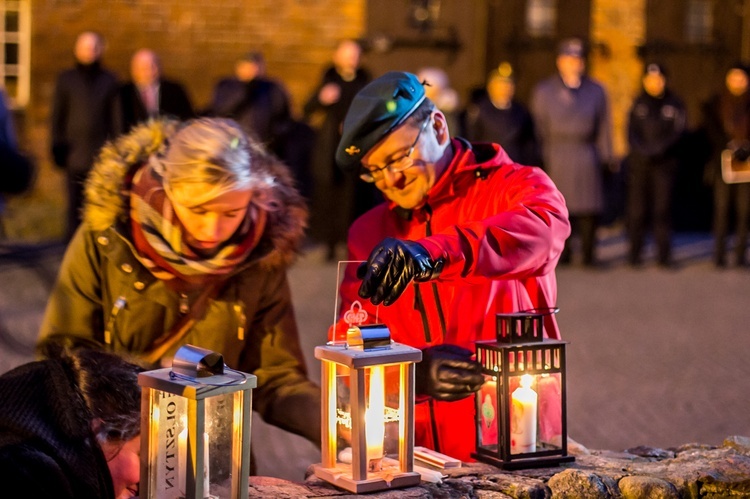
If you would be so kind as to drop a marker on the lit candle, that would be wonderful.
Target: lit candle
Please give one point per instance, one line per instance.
(375, 418)
(523, 417)
(182, 461)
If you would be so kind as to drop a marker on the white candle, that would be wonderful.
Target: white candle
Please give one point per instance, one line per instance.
(375, 415)
(523, 417)
(182, 460)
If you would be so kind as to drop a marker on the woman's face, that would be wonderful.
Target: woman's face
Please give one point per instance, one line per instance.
(210, 224)
(124, 465)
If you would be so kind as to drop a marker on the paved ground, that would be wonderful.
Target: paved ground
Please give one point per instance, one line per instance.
(656, 357)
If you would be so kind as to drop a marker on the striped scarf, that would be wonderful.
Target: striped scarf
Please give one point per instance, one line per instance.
(159, 240)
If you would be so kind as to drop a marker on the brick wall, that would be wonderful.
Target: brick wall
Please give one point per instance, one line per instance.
(198, 42)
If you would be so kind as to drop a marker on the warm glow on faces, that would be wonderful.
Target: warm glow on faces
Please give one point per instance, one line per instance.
(123, 461)
(409, 188)
(346, 58)
(737, 81)
(209, 224)
(654, 83)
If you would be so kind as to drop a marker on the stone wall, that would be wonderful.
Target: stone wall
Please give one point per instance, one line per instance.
(690, 471)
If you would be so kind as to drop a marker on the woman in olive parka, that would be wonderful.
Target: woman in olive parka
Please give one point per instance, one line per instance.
(186, 236)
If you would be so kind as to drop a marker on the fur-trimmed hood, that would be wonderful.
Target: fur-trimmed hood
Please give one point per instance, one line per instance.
(107, 190)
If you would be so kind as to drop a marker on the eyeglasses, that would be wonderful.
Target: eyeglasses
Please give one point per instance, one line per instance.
(397, 165)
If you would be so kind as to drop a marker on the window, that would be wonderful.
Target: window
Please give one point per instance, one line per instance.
(699, 21)
(541, 18)
(15, 29)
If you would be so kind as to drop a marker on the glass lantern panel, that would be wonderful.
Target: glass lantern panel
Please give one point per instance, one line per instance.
(168, 412)
(489, 414)
(169, 453)
(343, 413)
(535, 412)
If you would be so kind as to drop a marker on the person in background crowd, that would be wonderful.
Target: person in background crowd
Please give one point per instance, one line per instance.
(187, 235)
(498, 117)
(337, 198)
(70, 427)
(7, 143)
(81, 119)
(656, 124)
(572, 121)
(438, 89)
(466, 233)
(261, 107)
(727, 122)
(148, 95)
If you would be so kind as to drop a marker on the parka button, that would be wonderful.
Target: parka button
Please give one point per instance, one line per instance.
(103, 240)
(127, 268)
(139, 285)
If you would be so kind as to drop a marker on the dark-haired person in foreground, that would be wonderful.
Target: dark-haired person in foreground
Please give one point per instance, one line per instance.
(70, 427)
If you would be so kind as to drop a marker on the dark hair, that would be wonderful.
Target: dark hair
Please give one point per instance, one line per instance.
(109, 387)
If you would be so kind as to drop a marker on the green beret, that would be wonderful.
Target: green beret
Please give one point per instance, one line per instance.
(376, 110)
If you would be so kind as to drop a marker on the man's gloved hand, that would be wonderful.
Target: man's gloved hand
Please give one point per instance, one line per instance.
(391, 266)
(448, 373)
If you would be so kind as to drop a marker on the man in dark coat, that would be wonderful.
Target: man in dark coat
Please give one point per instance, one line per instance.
(81, 118)
(148, 95)
(572, 121)
(498, 117)
(656, 124)
(337, 198)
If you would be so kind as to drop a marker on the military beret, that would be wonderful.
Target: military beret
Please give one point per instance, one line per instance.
(376, 110)
(572, 47)
(654, 68)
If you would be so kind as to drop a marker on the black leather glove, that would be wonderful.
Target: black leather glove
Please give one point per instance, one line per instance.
(391, 266)
(448, 373)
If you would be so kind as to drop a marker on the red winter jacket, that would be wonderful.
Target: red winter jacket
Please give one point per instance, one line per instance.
(500, 227)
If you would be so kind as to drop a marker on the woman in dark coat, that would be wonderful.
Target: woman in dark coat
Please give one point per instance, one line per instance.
(70, 427)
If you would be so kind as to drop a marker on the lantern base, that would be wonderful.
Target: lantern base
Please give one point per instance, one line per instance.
(341, 476)
(524, 463)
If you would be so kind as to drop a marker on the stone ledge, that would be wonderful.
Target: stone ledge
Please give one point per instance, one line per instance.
(690, 471)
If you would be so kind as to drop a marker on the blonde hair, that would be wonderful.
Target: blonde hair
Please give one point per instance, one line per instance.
(215, 152)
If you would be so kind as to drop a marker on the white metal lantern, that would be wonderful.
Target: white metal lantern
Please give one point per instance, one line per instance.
(367, 409)
(195, 428)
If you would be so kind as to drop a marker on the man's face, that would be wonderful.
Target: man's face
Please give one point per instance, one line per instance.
(346, 58)
(144, 68)
(736, 81)
(654, 84)
(88, 48)
(407, 188)
(501, 89)
(570, 66)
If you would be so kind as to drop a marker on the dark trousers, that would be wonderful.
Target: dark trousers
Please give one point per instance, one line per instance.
(74, 184)
(650, 187)
(585, 227)
(724, 196)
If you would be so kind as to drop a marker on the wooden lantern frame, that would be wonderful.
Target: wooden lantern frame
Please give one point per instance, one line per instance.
(358, 356)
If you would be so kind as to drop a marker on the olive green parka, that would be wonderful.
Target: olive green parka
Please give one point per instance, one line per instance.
(104, 294)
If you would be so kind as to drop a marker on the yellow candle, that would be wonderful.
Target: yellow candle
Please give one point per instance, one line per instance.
(523, 417)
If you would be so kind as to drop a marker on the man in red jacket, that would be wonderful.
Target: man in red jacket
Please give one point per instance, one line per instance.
(465, 234)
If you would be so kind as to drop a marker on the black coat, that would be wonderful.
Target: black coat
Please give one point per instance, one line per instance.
(173, 102)
(47, 448)
(655, 126)
(82, 115)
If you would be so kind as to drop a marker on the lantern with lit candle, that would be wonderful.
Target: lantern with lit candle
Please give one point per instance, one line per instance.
(367, 411)
(195, 428)
(520, 409)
